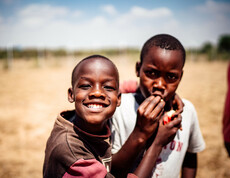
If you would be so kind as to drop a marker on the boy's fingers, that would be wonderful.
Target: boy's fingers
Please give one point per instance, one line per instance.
(152, 106)
(176, 122)
(146, 102)
(152, 103)
(158, 110)
(178, 111)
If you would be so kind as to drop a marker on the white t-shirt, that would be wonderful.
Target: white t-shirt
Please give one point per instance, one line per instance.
(170, 160)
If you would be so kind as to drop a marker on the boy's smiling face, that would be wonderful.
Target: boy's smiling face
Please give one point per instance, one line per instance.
(160, 72)
(95, 93)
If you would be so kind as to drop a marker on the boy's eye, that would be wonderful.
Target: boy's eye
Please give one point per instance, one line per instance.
(151, 73)
(172, 77)
(109, 88)
(85, 86)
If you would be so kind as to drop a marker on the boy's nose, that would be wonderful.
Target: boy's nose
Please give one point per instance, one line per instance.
(160, 83)
(97, 93)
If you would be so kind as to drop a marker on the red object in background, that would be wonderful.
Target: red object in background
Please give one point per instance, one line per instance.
(129, 86)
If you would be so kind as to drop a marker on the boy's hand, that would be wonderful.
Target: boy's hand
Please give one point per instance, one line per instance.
(178, 104)
(169, 116)
(167, 132)
(148, 115)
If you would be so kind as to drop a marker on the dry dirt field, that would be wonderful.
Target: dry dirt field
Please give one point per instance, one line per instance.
(31, 97)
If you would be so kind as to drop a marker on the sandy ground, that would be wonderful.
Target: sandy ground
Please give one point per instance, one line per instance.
(31, 98)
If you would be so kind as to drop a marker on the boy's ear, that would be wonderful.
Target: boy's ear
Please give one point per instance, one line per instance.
(70, 95)
(138, 66)
(119, 99)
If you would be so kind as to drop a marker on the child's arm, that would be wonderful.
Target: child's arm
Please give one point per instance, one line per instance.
(189, 166)
(165, 134)
(148, 115)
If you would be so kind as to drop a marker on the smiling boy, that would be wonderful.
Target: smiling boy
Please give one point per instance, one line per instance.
(79, 142)
(138, 121)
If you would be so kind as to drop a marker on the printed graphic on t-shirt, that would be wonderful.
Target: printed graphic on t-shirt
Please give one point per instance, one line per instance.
(158, 169)
(174, 146)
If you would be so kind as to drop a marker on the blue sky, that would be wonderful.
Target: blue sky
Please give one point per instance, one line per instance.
(110, 23)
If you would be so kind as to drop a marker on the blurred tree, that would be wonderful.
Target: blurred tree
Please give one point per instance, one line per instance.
(206, 48)
(224, 43)
(223, 47)
(3, 53)
(59, 52)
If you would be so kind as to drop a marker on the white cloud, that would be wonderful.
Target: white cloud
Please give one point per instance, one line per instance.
(41, 28)
(77, 13)
(215, 12)
(52, 26)
(42, 9)
(153, 13)
(211, 19)
(40, 14)
(139, 15)
(99, 21)
(212, 7)
(110, 9)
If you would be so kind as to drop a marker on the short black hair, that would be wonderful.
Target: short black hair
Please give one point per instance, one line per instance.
(164, 41)
(88, 58)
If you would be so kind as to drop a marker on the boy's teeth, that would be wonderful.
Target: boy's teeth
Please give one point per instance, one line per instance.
(94, 106)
